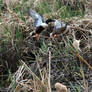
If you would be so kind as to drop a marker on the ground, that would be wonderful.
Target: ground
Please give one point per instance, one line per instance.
(27, 64)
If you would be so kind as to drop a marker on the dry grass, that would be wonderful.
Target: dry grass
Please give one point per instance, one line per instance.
(44, 82)
(43, 76)
(33, 83)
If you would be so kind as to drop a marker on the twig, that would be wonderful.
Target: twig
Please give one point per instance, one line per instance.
(81, 58)
(49, 85)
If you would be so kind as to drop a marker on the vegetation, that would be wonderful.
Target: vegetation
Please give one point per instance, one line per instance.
(36, 66)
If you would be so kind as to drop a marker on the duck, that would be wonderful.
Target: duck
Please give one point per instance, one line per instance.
(58, 27)
(39, 23)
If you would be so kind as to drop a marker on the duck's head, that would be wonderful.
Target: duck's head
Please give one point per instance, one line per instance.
(38, 30)
(50, 22)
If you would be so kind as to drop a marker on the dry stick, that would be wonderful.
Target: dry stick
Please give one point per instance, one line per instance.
(49, 85)
(39, 68)
(81, 58)
(85, 84)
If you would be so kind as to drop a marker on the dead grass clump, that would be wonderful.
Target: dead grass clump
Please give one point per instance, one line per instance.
(26, 80)
(60, 87)
(37, 3)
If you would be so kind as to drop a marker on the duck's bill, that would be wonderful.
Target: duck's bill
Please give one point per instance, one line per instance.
(35, 35)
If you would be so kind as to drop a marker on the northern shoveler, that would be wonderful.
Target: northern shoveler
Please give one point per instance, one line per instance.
(58, 26)
(38, 23)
